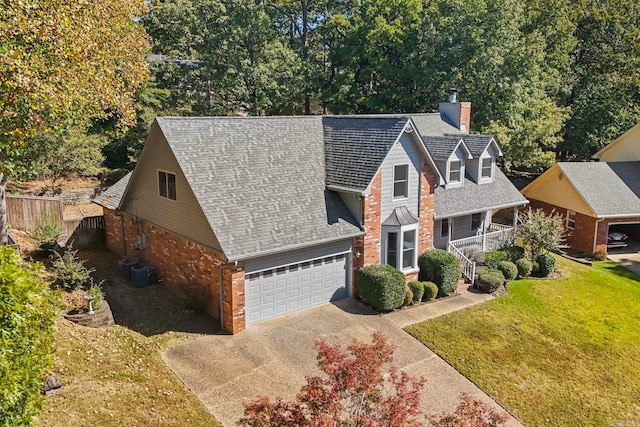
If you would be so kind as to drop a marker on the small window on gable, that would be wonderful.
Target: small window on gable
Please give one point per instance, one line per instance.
(455, 171)
(487, 168)
(444, 228)
(400, 181)
(167, 185)
(571, 219)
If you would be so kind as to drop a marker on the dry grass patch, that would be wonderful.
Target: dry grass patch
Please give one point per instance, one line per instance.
(553, 352)
(115, 377)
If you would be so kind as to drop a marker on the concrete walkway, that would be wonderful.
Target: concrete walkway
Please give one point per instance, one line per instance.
(466, 297)
(272, 358)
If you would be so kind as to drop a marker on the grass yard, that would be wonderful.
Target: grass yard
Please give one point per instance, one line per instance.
(563, 352)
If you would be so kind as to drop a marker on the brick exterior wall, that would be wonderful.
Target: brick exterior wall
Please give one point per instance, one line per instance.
(427, 202)
(188, 269)
(465, 116)
(371, 222)
(581, 238)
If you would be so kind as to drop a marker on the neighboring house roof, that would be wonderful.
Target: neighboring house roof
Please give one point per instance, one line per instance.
(111, 197)
(356, 146)
(441, 147)
(610, 189)
(260, 181)
(471, 198)
(624, 148)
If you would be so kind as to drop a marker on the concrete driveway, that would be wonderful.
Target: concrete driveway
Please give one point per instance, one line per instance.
(273, 358)
(628, 257)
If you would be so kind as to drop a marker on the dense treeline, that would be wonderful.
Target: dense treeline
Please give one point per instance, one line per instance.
(549, 78)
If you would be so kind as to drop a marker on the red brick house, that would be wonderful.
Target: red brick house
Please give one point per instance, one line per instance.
(257, 217)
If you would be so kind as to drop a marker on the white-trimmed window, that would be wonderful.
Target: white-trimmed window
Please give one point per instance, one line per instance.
(444, 228)
(400, 181)
(167, 185)
(455, 171)
(571, 219)
(486, 167)
(401, 247)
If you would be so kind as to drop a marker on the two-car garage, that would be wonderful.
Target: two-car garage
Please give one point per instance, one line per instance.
(285, 283)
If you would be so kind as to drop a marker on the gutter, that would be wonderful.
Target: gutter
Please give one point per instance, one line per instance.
(469, 212)
(345, 190)
(292, 247)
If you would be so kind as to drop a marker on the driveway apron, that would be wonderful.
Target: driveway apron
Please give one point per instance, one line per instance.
(273, 358)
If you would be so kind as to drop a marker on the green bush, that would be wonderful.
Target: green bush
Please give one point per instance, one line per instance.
(381, 286)
(514, 253)
(430, 291)
(600, 255)
(96, 292)
(490, 281)
(418, 290)
(47, 233)
(442, 268)
(492, 258)
(408, 297)
(27, 314)
(508, 269)
(482, 269)
(546, 264)
(70, 272)
(525, 267)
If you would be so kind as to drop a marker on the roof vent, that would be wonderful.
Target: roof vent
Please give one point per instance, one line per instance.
(453, 94)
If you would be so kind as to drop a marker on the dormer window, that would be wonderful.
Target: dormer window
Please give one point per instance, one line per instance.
(455, 171)
(400, 181)
(486, 168)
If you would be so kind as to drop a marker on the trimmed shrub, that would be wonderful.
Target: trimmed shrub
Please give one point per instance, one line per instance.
(482, 269)
(514, 253)
(508, 269)
(442, 268)
(525, 267)
(408, 297)
(600, 255)
(381, 286)
(418, 290)
(430, 291)
(28, 310)
(492, 258)
(546, 264)
(490, 281)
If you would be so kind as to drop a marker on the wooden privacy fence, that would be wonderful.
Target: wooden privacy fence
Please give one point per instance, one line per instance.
(26, 212)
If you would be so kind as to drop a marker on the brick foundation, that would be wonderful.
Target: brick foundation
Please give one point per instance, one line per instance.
(188, 269)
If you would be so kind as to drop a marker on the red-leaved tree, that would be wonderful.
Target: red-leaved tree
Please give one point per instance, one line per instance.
(355, 391)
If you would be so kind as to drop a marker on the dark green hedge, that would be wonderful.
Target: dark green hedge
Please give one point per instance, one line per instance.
(27, 315)
(381, 286)
(508, 269)
(546, 264)
(442, 268)
(525, 267)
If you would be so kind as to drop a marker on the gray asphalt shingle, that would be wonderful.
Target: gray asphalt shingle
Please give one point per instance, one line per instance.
(111, 197)
(356, 146)
(475, 143)
(610, 189)
(471, 197)
(260, 181)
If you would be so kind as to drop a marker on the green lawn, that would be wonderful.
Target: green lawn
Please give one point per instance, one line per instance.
(563, 352)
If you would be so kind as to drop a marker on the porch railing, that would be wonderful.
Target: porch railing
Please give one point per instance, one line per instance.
(468, 267)
(498, 236)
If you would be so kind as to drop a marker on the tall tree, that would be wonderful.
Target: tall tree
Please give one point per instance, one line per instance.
(63, 62)
(605, 100)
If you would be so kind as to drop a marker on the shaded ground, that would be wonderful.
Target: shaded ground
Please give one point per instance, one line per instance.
(150, 311)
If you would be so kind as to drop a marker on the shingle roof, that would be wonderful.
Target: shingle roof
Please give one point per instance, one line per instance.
(400, 216)
(356, 146)
(610, 189)
(260, 181)
(433, 124)
(476, 143)
(441, 147)
(110, 198)
(471, 197)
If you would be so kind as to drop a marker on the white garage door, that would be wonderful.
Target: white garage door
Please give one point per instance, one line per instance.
(272, 293)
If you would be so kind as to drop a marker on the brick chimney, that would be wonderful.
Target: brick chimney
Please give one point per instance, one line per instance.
(456, 113)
